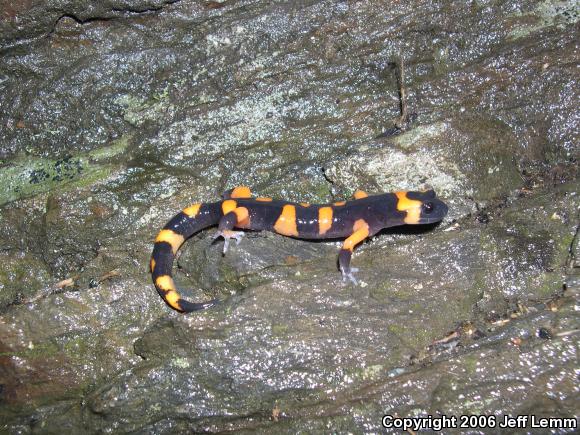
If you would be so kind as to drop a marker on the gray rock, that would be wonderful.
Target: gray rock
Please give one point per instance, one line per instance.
(115, 115)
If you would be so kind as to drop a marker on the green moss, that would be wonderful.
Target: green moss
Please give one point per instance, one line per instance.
(372, 372)
(384, 291)
(367, 373)
(20, 277)
(422, 336)
(470, 363)
(137, 110)
(279, 330)
(396, 329)
(546, 285)
(182, 363)
(547, 13)
(117, 147)
(76, 348)
(563, 247)
(29, 176)
(39, 350)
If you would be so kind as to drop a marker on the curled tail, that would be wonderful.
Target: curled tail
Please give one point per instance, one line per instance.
(183, 225)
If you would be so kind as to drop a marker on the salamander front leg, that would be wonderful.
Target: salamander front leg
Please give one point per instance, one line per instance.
(361, 232)
(226, 224)
(344, 257)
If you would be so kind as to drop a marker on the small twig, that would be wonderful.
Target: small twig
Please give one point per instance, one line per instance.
(446, 339)
(55, 289)
(69, 282)
(400, 123)
(276, 413)
(113, 273)
(567, 333)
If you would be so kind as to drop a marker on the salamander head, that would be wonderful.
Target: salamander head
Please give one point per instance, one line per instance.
(421, 207)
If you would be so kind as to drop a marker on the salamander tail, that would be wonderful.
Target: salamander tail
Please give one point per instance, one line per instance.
(170, 238)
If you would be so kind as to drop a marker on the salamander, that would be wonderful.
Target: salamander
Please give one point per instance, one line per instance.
(353, 220)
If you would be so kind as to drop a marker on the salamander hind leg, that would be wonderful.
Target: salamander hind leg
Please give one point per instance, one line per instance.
(238, 216)
(361, 232)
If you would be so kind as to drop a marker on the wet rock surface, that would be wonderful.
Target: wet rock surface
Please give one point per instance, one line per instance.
(117, 114)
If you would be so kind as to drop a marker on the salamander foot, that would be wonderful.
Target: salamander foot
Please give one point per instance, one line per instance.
(350, 275)
(227, 235)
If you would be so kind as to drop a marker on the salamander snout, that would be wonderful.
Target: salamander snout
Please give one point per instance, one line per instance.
(432, 210)
(421, 207)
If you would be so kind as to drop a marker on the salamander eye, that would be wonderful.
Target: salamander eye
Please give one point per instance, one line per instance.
(428, 207)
